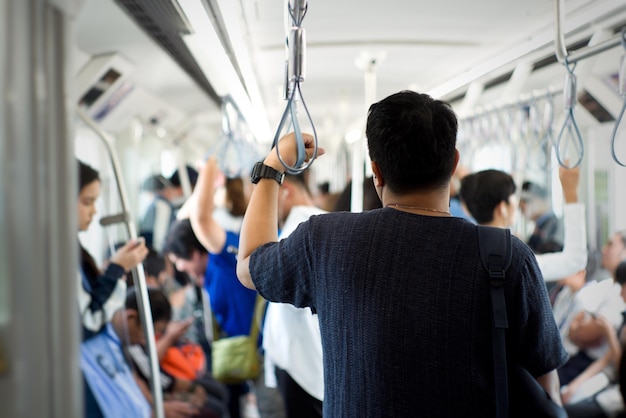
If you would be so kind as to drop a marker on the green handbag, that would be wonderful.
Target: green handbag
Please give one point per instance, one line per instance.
(236, 359)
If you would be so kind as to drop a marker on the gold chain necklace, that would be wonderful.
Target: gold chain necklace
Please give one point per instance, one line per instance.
(397, 205)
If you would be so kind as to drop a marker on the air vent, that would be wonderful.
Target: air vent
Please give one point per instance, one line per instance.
(160, 20)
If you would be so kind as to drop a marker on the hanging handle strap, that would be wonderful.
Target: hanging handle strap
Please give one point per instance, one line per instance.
(294, 76)
(622, 92)
(570, 127)
(495, 254)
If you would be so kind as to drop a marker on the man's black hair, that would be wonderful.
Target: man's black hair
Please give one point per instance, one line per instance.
(160, 307)
(483, 191)
(181, 240)
(412, 138)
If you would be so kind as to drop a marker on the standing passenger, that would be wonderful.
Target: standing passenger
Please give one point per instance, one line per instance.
(401, 295)
(232, 304)
(100, 294)
(489, 196)
(535, 207)
(160, 214)
(291, 336)
(222, 244)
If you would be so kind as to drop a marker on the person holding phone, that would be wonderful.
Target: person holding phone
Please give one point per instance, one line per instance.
(100, 294)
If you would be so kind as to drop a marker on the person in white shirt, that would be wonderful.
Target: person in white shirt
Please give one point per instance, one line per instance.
(489, 197)
(566, 303)
(291, 336)
(601, 303)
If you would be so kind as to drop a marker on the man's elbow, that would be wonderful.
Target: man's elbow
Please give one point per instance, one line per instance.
(243, 273)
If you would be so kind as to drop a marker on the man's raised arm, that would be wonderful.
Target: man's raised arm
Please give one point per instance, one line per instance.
(260, 223)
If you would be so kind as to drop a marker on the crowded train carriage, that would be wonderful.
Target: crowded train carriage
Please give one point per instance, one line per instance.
(265, 208)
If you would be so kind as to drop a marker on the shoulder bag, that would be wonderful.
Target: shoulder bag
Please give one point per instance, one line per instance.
(236, 359)
(518, 394)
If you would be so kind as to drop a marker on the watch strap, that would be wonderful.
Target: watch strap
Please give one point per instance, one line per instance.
(262, 171)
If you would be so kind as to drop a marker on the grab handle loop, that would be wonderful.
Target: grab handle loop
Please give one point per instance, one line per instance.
(291, 113)
(548, 120)
(233, 149)
(294, 75)
(622, 93)
(569, 130)
(539, 144)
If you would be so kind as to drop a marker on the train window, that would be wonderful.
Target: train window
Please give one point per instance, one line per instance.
(497, 156)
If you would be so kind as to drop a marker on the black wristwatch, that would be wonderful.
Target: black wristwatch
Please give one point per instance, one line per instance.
(262, 171)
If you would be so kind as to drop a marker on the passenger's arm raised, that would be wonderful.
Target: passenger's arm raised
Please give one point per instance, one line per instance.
(260, 223)
(573, 258)
(210, 234)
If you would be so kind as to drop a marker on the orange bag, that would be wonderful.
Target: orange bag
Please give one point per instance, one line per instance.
(185, 361)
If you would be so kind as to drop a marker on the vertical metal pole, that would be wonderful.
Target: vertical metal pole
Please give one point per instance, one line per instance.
(359, 153)
(40, 331)
(143, 301)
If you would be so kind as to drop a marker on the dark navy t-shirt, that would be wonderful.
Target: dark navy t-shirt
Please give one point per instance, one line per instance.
(404, 310)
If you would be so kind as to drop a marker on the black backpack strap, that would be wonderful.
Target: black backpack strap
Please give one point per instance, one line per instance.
(495, 253)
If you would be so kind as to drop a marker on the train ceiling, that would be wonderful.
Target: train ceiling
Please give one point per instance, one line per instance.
(436, 47)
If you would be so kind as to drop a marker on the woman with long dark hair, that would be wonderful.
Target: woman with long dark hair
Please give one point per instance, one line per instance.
(100, 294)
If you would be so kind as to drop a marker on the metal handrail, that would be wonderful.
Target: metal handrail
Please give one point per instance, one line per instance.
(139, 278)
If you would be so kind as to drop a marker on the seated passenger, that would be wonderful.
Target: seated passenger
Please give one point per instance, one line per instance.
(100, 295)
(489, 196)
(600, 298)
(184, 371)
(595, 392)
(566, 303)
(111, 389)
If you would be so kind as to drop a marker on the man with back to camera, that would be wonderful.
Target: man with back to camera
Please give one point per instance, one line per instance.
(405, 323)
